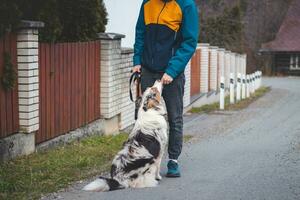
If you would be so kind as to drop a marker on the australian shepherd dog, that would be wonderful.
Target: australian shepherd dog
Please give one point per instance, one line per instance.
(137, 165)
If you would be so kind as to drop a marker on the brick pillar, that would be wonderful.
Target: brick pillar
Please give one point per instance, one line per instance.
(28, 75)
(204, 67)
(110, 80)
(213, 67)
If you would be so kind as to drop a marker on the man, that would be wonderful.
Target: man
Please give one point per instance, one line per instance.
(166, 38)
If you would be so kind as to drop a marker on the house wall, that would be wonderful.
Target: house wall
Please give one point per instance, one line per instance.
(282, 63)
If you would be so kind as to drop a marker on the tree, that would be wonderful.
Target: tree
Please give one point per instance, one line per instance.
(225, 30)
(10, 15)
(65, 20)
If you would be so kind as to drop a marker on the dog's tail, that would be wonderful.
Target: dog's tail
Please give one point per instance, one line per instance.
(103, 184)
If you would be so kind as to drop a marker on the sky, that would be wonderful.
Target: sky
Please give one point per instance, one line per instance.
(122, 17)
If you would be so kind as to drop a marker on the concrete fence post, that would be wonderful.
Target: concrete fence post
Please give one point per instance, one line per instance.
(221, 76)
(213, 67)
(227, 69)
(232, 77)
(204, 72)
(187, 85)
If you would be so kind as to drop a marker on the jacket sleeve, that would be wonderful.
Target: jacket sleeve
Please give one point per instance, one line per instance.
(139, 37)
(190, 31)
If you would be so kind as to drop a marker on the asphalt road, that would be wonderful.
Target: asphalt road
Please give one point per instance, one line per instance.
(249, 154)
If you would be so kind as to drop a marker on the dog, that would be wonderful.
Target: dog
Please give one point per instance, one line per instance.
(137, 165)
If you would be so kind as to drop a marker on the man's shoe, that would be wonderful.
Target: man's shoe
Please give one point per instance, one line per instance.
(173, 169)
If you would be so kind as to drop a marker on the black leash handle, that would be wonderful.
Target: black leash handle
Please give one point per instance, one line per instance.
(136, 76)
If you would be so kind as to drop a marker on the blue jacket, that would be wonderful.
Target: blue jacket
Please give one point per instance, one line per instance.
(166, 35)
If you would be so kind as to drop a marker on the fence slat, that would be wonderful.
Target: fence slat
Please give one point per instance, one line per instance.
(2, 95)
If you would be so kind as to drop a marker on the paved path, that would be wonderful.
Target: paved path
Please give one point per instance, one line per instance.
(249, 154)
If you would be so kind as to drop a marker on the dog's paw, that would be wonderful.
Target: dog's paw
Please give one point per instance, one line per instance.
(158, 177)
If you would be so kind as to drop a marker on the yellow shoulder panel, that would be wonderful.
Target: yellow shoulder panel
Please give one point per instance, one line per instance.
(170, 15)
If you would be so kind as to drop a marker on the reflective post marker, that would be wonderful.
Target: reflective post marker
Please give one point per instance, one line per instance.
(231, 88)
(222, 93)
(238, 88)
(248, 86)
(243, 86)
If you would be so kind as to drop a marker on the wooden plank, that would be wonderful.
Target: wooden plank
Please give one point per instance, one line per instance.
(62, 105)
(44, 106)
(48, 92)
(56, 89)
(8, 93)
(86, 82)
(77, 91)
(52, 90)
(92, 81)
(15, 96)
(2, 132)
(3, 96)
(80, 78)
(73, 80)
(68, 88)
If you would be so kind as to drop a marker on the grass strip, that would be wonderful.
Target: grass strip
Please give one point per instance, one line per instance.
(45, 172)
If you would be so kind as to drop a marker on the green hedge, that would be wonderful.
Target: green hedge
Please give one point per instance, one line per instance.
(65, 20)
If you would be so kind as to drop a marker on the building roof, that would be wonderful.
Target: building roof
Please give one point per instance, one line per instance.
(288, 36)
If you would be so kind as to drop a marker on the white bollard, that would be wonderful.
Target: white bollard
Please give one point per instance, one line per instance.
(222, 93)
(260, 78)
(243, 86)
(238, 88)
(253, 83)
(256, 80)
(248, 86)
(231, 88)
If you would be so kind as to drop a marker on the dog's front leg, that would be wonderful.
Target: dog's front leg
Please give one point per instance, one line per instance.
(157, 174)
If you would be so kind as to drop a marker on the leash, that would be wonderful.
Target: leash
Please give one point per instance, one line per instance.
(135, 77)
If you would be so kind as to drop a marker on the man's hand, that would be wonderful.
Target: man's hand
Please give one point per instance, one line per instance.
(166, 79)
(136, 68)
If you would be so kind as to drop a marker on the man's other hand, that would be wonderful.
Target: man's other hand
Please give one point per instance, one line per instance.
(136, 68)
(166, 79)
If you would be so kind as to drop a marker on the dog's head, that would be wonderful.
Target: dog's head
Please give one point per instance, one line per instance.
(152, 99)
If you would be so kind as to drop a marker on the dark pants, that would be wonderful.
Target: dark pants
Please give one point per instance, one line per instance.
(173, 96)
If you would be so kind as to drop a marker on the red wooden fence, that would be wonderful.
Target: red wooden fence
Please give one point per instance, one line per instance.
(195, 73)
(9, 113)
(69, 87)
